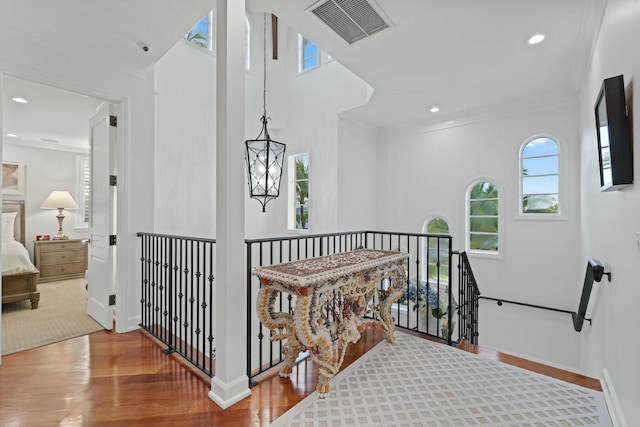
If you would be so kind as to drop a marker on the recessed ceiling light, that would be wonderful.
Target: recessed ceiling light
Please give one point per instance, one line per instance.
(536, 38)
(12, 135)
(434, 109)
(55, 141)
(19, 100)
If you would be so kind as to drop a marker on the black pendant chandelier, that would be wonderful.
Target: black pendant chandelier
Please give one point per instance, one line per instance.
(265, 157)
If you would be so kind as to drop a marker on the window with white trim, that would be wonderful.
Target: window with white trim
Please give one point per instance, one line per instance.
(540, 177)
(298, 170)
(435, 250)
(202, 33)
(83, 195)
(483, 220)
(308, 54)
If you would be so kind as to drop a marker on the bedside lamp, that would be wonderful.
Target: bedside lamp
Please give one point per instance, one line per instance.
(60, 200)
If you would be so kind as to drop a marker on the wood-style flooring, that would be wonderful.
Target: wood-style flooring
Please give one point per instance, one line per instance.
(109, 379)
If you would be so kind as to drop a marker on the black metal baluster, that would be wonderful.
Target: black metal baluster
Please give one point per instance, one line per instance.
(171, 290)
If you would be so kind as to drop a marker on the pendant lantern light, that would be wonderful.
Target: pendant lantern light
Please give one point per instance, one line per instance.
(265, 157)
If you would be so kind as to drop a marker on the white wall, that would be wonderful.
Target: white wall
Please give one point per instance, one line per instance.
(310, 103)
(357, 174)
(46, 170)
(425, 170)
(611, 219)
(304, 114)
(185, 157)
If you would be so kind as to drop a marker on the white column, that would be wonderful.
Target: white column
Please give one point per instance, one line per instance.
(230, 383)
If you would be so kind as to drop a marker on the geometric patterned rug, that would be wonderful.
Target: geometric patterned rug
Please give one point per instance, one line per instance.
(416, 382)
(62, 314)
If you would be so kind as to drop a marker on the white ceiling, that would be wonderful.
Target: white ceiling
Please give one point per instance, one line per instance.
(53, 118)
(109, 33)
(465, 56)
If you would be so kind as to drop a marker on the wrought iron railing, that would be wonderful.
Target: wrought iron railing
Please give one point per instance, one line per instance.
(177, 290)
(423, 308)
(177, 295)
(469, 295)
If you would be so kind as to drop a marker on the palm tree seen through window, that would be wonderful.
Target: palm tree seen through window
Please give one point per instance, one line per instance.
(483, 217)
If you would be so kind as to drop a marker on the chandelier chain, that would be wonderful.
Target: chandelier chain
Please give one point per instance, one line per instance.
(264, 74)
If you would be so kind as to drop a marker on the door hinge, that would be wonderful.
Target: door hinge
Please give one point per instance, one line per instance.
(113, 180)
(112, 240)
(113, 121)
(112, 299)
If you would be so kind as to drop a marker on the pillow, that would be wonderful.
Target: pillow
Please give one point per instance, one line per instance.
(8, 220)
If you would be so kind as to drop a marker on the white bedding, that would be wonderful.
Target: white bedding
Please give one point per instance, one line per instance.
(15, 259)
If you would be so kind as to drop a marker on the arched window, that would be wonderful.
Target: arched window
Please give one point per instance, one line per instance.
(483, 220)
(540, 177)
(435, 251)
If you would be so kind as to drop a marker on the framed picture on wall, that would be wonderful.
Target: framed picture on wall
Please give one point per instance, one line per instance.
(13, 176)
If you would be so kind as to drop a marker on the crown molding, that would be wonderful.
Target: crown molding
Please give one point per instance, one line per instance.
(483, 114)
(45, 146)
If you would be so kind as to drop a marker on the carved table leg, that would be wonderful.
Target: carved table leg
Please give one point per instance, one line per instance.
(314, 335)
(281, 326)
(393, 293)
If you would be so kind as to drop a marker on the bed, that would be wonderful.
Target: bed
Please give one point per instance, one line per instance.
(18, 272)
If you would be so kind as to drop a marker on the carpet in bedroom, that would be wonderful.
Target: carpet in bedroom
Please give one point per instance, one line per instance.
(62, 314)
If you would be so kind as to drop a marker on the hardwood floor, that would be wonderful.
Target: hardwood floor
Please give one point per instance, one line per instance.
(109, 379)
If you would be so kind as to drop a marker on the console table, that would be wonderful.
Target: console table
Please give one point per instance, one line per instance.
(333, 294)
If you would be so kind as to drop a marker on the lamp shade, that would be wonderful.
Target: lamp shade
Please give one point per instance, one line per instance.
(59, 200)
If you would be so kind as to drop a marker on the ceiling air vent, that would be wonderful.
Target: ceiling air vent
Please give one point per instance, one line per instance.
(353, 20)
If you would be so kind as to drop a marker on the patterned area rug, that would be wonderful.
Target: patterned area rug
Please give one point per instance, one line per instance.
(416, 382)
(62, 314)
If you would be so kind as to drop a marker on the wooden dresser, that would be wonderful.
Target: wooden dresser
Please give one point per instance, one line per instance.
(60, 259)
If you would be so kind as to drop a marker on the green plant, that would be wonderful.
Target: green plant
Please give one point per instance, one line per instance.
(302, 192)
(196, 37)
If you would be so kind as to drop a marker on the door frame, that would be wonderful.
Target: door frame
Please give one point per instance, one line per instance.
(122, 106)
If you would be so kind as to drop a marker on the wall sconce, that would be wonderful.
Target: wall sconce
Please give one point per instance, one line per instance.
(60, 200)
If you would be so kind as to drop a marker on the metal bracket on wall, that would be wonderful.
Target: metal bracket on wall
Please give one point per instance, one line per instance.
(595, 271)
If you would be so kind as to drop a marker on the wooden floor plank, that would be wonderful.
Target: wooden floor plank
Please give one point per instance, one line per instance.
(109, 379)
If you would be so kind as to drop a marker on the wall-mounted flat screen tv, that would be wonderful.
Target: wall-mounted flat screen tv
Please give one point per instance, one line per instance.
(615, 145)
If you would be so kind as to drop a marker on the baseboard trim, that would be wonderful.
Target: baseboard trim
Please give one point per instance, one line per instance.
(611, 398)
(227, 394)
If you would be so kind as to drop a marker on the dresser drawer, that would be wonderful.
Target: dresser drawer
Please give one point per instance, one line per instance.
(61, 259)
(60, 270)
(61, 245)
(48, 258)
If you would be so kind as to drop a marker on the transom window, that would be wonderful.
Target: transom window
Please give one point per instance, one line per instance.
(483, 218)
(202, 33)
(309, 54)
(539, 177)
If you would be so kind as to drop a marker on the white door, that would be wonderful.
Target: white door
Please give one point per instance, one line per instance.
(102, 269)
